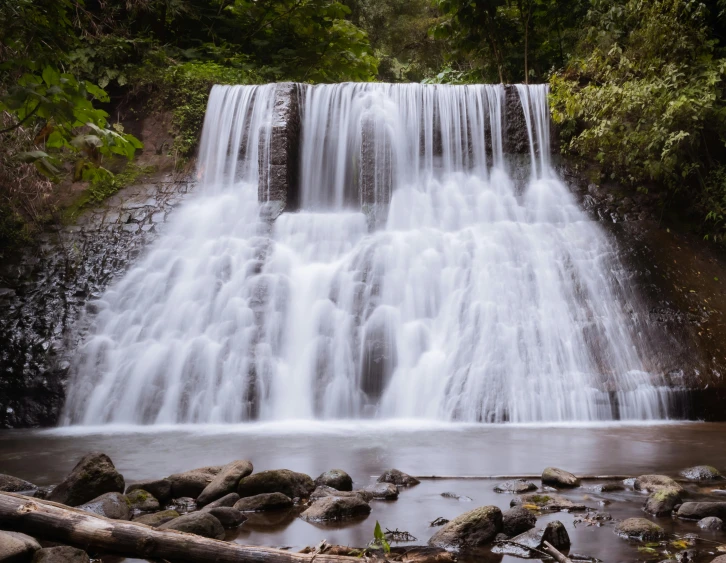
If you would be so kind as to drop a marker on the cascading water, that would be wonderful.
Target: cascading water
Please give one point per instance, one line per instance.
(476, 299)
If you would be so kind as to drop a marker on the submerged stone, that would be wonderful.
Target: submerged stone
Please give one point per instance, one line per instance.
(397, 477)
(515, 486)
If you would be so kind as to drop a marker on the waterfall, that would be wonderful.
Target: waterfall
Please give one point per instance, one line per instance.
(470, 297)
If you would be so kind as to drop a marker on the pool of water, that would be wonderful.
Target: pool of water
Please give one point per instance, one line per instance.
(365, 449)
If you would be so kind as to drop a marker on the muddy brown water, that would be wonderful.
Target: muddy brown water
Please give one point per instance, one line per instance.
(365, 449)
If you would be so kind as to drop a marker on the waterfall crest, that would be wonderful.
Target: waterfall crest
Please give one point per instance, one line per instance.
(476, 297)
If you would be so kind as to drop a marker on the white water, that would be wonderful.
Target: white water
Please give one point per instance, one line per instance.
(477, 300)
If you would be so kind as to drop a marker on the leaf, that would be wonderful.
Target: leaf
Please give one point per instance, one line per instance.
(31, 156)
(51, 76)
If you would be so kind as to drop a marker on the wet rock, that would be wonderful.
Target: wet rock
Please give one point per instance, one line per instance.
(17, 548)
(515, 487)
(559, 478)
(456, 496)
(719, 559)
(192, 483)
(336, 508)
(92, 476)
(711, 523)
(43, 492)
(652, 483)
(472, 529)
(398, 478)
(158, 518)
(142, 501)
(639, 529)
(229, 517)
(337, 479)
(182, 505)
(160, 489)
(609, 487)
(111, 505)
(284, 481)
(421, 554)
(61, 554)
(263, 502)
(662, 502)
(226, 500)
(381, 491)
(701, 473)
(10, 484)
(225, 482)
(517, 520)
(550, 501)
(700, 510)
(554, 533)
(199, 523)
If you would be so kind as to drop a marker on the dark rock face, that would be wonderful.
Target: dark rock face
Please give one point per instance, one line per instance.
(158, 518)
(263, 502)
(336, 508)
(15, 547)
(225, 481)
(515, 486)
(192, 483)
(398, 478)
(473, 529)
(289, 483)
(111, 505)
(200, 523)
(337, 479)
(515, 136)
(517, 520)
(158, 488)
(93, 476)
(61, 554)
(639, 529)
(10, 484)
(559, 478)
(700, 510)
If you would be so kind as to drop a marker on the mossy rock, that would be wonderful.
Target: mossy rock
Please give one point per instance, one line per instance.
(639, 529)
(472, 529)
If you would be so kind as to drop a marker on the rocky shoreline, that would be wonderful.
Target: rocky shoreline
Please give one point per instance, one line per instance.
(213, 502)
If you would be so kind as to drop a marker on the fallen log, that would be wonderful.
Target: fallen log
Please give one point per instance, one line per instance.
(55, 522)
(527, 477)
(554, 553)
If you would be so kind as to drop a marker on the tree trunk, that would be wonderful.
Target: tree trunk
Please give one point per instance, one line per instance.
(55, 522)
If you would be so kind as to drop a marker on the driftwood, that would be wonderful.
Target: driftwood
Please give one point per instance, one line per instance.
(528, 477)
(55, 522)
(552, 552)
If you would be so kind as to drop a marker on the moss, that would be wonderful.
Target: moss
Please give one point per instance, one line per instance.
(539, 500)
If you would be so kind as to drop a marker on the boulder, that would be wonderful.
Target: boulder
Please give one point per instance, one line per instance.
(398, 478)
(289, 483)
(549, 501)
(639, 529)
(199, 523)
(17, 548)
(160, 489)
(652, 483)
(517, 520)
(472, 529)
(158, 518)
(111, 505)
(142, 501)
(515, 487)
(61, 554)
(336, 508)
(92, 476)
(381, 491)
(229, 517)
(554, 533)
(10, 484)
(559, 478)
(263, 502)
(225, 481)
(701, 473)
(337, 479)
(711, 523)
(225, 501)
(700, 510)
(192, 483)
(662, 502)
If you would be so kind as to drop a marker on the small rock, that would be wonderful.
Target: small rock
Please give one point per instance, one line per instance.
(517, 520)
(225, 482)
(639, 529)
(337, 479)
(550, 502)
(16, 548)
(142, 501)
(263, 502)
(711, 523)
(182, 505)
(515, 487)
(336, 508)
(381, 491)
(158, 518)
(652, 483)
(554, 533)
(226, 500)
(10, 484)
(456, 496)
(559, 478)
(284, 481)
(111, 505)
(192, 483)
(700, 510)
(609, 487)
(701, 473)
(92, 476)
(61, 554)
(229, 517)
(199, 523)
(160, 489)
(662, 502)
(472, 529)
(398, 478)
